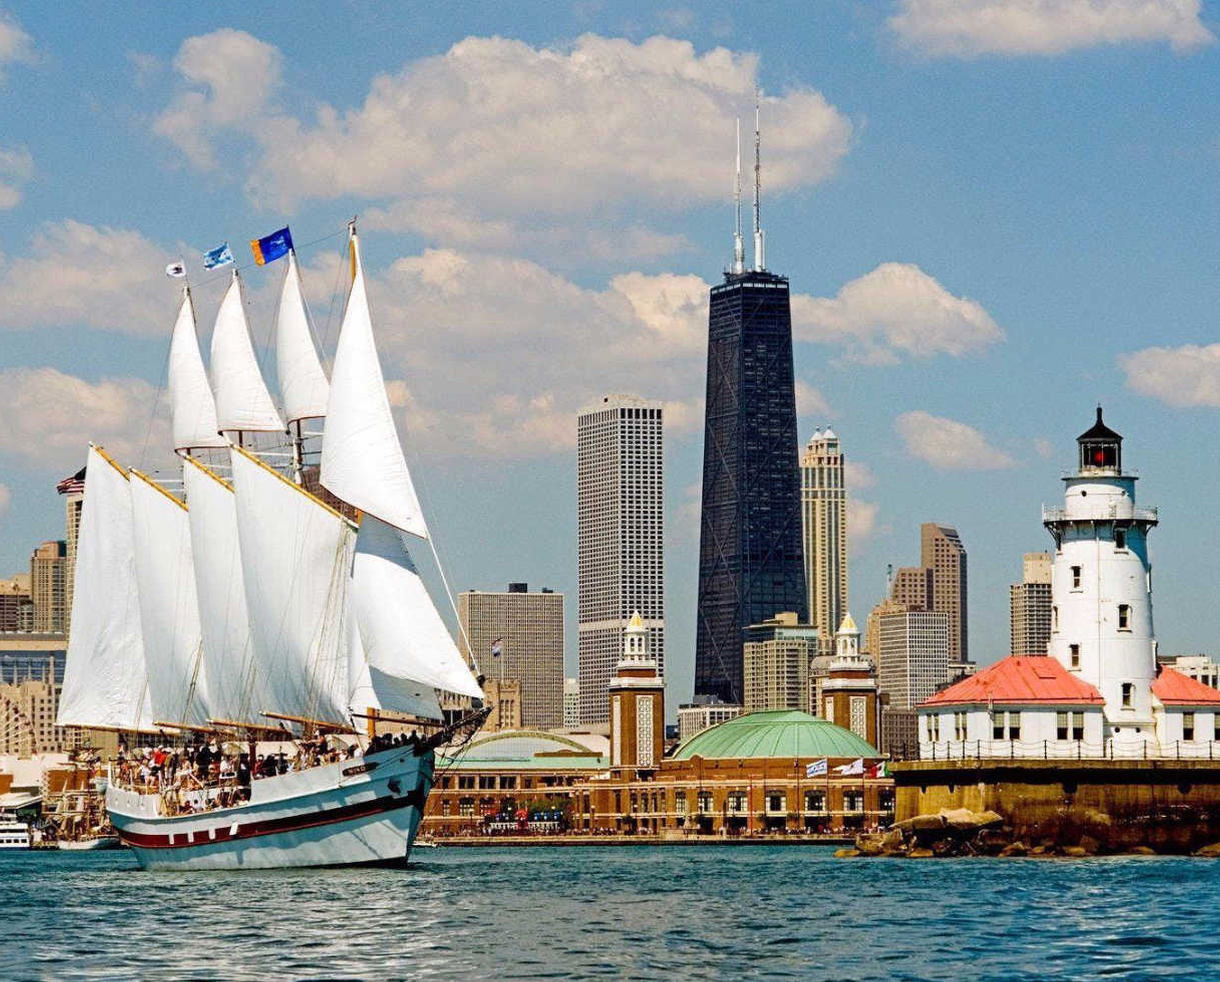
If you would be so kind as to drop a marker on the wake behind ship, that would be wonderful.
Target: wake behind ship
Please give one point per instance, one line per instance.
(273, 599)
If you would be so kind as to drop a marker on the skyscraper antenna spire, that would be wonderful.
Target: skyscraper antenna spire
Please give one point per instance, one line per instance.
(760, 259)
(739, 249)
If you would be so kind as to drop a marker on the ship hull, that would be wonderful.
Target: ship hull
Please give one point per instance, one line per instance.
(360, 811)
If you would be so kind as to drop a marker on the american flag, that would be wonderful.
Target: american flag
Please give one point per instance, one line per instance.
(72, 485)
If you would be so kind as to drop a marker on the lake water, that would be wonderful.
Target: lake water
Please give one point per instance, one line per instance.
(678, 912)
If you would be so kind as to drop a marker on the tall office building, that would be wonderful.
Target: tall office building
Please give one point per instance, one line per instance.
(912, 587)
(620, 539)
(16, 607)
(519, 635)
(824, 528)
(571, 704)
(750, 562)
(912, 663)
(775, 664)
(1029, 606)
(942, 552)
(48, 571)
(73, 491)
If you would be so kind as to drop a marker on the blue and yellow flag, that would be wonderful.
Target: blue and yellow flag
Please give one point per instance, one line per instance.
(270, 247)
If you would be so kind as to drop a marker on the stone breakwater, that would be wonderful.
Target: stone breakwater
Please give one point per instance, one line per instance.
(962, 832)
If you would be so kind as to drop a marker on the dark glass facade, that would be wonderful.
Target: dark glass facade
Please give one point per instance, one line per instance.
(750, 561)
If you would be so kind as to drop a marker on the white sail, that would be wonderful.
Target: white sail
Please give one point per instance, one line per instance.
(169, 610)
(296, 559)
(403, 637)
(242, 400)
(104, 677)
(362, 459)
(190, 395)
(235, 687)
(303, 385)
(373, 690)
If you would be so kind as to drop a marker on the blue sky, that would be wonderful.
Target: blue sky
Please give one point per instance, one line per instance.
(993, 214)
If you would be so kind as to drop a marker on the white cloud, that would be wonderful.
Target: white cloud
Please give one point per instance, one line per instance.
(857, 475)
(15, 45)
(861, 523)
(51, 417)
(896, 309)
(16, 167)
(947, 444)
(1185, 376)
(232, 78)
(100, 277)
(498, 354)
(967, 28)
(466, 145)
(809, 401)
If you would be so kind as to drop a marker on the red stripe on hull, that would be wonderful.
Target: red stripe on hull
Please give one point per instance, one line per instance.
(271, 826)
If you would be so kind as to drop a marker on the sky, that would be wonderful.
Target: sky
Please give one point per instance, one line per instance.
(994, 215)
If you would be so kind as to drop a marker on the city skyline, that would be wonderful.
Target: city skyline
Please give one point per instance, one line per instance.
(940, 253)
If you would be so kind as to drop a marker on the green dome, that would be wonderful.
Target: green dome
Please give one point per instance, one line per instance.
(775, 733)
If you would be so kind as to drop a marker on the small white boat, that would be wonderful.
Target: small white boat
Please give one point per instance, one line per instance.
(14, 833)
(90, 844)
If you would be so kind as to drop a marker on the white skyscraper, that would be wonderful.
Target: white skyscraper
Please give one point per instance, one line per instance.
(824, 531)
(620, 498)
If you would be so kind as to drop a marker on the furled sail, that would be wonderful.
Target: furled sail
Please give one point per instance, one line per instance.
(362, 459)
(406, 644)
(190, 395)
(242, 400)
(303, 385)
(296, 558)
(236, 689)
(169, 610)
(104, 677)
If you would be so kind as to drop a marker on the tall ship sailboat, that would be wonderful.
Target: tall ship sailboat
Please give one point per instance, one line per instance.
(264, 601)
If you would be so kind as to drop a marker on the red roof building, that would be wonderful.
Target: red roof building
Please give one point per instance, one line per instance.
(1175, 689)
(1025, 680)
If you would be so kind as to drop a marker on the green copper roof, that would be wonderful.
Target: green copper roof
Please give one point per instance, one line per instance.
(775, 733)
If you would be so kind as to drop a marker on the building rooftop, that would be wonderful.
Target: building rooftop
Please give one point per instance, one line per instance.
(775, 733)
(1020, 679)
(1175, 689)
(525, 749)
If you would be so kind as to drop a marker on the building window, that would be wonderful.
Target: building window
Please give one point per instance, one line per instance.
(933, 727)
(815, 801)
(776, 802)
(1074, 654)
(1120, 538)
(853, 801)
(680, 803)
(1128, 692)
(859, 716)
(705, 802)
(1075, 577)
(1061, 726)
(830, 709)
(1077, 726)
(487, 782)
(736, 803)
(959, 727)
(1188, 726)
(1014, 726)
(466, 782)
(997, 726)
(466, 807)
(508, 781)
(1124, 617)
(1054, 617)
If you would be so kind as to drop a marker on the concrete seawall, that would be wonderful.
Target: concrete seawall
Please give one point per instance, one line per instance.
(1172, 806)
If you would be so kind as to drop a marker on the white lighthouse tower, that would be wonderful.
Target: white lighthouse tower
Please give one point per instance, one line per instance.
(1101, 587)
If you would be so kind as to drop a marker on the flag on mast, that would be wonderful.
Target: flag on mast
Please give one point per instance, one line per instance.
(497, 648)
(817, 767)
(270, 247)
(222, 255)
(175, 270)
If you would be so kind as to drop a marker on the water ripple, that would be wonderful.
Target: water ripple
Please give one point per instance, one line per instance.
(666, 913)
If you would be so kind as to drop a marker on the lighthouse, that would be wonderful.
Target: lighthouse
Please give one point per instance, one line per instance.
(1101, 586)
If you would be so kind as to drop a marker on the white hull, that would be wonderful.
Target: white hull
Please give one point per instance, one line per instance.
(365, 810)
(88, 845)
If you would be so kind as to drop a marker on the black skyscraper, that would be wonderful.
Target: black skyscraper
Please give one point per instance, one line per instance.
(750, 562)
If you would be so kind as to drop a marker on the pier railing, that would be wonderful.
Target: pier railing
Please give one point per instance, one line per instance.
(1068, 750)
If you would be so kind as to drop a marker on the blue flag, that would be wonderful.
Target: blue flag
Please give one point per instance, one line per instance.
(270, 247)
(220, 256)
